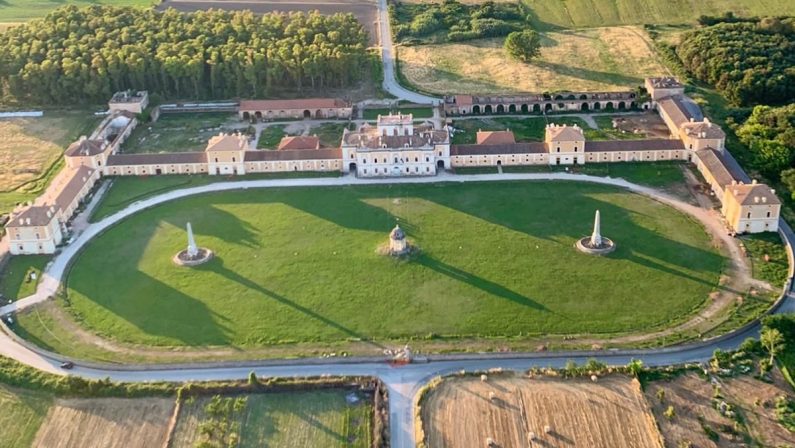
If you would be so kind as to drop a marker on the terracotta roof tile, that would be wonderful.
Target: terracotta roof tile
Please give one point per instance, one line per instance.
(306, 103)
(495, 137)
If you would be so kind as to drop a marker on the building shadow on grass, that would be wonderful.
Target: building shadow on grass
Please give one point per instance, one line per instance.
(235, 277)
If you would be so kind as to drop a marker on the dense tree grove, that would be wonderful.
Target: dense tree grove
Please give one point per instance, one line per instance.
(452, 20)
(82, 55)
(770, 135)
(749, 63)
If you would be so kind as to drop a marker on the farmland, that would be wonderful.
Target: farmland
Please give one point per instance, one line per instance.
(287, 420)
(31, 148)
(597, 59)
(545, 14)
(15, 11)
(693, 400)
(21, 415)
(105, 423)
(611, 412)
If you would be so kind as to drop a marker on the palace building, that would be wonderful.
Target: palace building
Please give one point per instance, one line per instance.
(395, 147)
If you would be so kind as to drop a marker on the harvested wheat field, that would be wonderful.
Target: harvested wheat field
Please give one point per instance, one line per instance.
(28, 146)
(697, 421)
(106, 423)
(610, 413)
(595, 59)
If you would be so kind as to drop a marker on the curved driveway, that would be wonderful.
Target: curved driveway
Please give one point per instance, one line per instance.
(388, 55)
(402, 382)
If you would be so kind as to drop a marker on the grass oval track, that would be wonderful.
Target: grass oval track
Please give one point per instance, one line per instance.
(300, 264)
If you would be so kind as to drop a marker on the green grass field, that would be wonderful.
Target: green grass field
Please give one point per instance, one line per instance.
(21, 414)
(180, 132)
(270, 137)
(126, 190)
(14, 11)
(547, 14)
(288, 420)
(496, 259)
(14, 278)
(524, 129)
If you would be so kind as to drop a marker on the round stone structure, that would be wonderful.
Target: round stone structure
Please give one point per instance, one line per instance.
(596, 244)
(202, 255)
(192, 255)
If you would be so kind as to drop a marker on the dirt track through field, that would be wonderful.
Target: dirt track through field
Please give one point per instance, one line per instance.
(364, 10)
(106, 423)
(609, 413)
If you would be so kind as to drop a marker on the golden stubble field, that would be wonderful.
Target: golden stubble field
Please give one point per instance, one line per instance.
(28, 146)
(612, 412)
(106, 423)
(595, 59)
(692, 397)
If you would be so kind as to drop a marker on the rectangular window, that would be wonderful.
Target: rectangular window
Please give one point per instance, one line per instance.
(749, 215)
(768, 214)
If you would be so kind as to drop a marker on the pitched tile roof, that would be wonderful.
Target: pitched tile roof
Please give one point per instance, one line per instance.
(77, 180)
(754, 194)
(704, 129)
(563, 133)
(715, 166)
(36, 215)
(85, 147)
(633, 145)
(157, 159)
(299, 142)
(495, 137)
(298, 154)
(227, 142)
(305, 103)
(677, 110)
(507, 148)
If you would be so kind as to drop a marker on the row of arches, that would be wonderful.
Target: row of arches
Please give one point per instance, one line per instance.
(536, 108)
(306, 114)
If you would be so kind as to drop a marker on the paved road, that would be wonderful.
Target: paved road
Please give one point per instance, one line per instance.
(402, 382)
(391, 84)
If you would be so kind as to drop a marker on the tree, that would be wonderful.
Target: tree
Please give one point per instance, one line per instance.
(773, 341)
(523, 45)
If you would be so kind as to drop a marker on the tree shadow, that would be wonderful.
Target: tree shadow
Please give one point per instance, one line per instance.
(235, 277)
(481, 283)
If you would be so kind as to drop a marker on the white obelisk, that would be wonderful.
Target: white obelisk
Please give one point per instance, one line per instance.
(193, 251)
(596, 236)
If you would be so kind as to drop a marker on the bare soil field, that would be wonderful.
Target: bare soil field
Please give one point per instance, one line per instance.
(106, 423)
(692, 400)
(596, 59)
(364, 10)
(609, 413)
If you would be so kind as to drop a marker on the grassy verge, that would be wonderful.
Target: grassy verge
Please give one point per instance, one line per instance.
(181, 132)
(126, 190)
(768, 257)
(270, 137)
(15, 281)
(330, 134)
